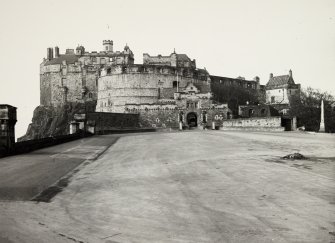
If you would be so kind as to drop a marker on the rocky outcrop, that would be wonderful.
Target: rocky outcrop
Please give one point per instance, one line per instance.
(51, 121)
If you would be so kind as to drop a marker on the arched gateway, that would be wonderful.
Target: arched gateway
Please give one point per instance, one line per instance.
(192, 120)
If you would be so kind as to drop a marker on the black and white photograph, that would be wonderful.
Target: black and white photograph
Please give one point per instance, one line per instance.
(176, 121)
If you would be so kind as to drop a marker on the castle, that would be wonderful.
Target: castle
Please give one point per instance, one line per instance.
(166, 91)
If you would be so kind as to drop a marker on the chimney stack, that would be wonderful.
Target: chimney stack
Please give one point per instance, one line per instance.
(50, 53)
(56, 51)
(290, 73)
(271, 75)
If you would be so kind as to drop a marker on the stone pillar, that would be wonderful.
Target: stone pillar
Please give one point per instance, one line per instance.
(180, 126)
(7, 127)
(213, 125)
(294, 123)
(74, 127)
(322, 119)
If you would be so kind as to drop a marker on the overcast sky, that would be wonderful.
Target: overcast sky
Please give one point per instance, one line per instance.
(230, 38)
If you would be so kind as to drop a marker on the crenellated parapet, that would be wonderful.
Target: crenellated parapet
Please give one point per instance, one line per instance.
(181, 72)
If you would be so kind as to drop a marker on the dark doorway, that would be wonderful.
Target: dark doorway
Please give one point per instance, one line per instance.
(251, 112)
(287, 123)
(192, 119)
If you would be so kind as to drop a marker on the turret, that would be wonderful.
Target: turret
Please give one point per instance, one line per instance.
(50, 53)
(108, 45)
(290, 73)
(80, 50)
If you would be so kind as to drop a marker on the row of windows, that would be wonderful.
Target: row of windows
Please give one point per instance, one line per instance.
(251, 112)
(242, 84)
(192, 104)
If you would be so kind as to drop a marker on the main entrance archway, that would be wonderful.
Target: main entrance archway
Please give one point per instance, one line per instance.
(192, 120)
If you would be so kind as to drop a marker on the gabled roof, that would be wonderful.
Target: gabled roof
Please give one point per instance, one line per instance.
(282, 80)
(190, 87)
(69, 58)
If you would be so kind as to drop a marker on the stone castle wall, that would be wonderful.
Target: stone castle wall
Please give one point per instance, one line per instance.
(65, 83)
(138, 85)
(255, 122)
(162, 118)
(103, 121)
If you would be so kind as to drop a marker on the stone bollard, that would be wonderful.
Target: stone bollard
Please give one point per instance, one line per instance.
(213, 125)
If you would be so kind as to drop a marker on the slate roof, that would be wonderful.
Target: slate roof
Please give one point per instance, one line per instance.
(183, 57)
(282, 80)
(203, 87)
(69, 58)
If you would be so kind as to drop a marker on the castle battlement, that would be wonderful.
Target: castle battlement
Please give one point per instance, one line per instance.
(182, 72)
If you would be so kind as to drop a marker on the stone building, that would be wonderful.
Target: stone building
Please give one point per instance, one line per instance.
(173, 60)
(260, 110)
(163, 90)
(240, 82)
(73, 76)
(7, 127)
(280, 90)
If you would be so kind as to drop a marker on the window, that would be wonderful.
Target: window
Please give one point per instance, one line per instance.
(174, 84)
(263, 112)
(272, 99)
(90, 95)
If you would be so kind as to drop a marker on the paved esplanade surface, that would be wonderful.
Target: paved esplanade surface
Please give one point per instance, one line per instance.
(202, 186)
